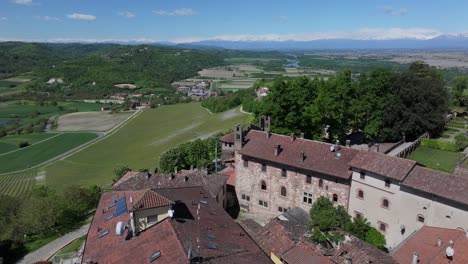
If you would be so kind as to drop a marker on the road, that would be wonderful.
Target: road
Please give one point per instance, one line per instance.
(50, 249)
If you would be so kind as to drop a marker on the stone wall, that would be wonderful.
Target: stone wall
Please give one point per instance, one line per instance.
(248, 183)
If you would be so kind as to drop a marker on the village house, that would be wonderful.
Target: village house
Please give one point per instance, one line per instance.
(119, 96)
(275, 173)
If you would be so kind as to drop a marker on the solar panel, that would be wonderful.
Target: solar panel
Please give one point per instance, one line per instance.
(154, 256)
(111, 205)
(121, 207)
(103, 233)
(109, 217)
(211, 246)
(210, 235)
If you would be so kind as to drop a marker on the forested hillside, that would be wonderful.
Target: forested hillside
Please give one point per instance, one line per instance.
(89, 71)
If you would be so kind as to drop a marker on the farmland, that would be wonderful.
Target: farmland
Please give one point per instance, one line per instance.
(20, 183)
(10, 143)
(90, 121)
(139, 143)
(41, 152)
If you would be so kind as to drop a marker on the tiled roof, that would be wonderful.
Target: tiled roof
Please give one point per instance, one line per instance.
(424, 243)
(228, 138)
(232, 176)
(117, 249)
(318, 156)
(140, 181)
(388, 166)
(302, 254)
(151, 199)
(215, 227)
(449, 186)
(361, 252)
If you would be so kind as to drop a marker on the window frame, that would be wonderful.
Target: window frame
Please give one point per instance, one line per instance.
(284, 173)
(418, 218)
(308, 179)
(285, 191)
(385, 225)
(246, 163)
(307, 198)
(264, 167)
(333, 199)
(383, 201)
(262, 182)
(359, 191)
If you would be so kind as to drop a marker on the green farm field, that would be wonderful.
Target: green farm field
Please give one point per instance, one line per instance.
(16, 184)
(10, 143)
(140, 142)
(41, 152)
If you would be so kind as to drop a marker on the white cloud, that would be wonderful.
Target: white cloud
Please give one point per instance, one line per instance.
(3, 18)
(81, 17)
(280, 18)
(23, 2)
(48, 18)
(126, 14)
(176, 12)
(395, 12)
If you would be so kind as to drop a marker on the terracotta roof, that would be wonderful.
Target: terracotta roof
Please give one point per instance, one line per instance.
(318, 156)
(228, 138)
(116, 249)
(127, 176)
(215, 228)
(388, 166)
(151, 199)
(361, 252)
(232, 176)
(140, 181)
(424, 243)
(449, 186)
(302, 254)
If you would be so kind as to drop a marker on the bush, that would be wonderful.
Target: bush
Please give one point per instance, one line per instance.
(23, 144)
(438, 144)
(461, 141)
(375, 238)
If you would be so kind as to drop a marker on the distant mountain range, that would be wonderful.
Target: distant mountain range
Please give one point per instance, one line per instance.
(459, 41)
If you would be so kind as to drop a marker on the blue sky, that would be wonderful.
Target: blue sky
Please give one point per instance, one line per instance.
(183, 20)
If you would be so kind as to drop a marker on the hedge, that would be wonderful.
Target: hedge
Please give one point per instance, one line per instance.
(461, 141)
(438, 144)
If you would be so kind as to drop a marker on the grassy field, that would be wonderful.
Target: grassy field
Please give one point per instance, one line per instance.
(140, 143)
(10, 143)
(437, 159)
(38, 153)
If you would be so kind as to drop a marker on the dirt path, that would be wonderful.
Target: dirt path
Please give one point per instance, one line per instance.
(50, 249)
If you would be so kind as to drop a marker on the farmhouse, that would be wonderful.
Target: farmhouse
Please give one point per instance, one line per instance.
(171, 225)
(397, 196)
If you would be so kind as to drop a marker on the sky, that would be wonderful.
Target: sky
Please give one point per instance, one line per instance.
(249, 20)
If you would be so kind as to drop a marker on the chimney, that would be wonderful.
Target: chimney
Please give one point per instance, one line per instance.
(175, 170)
(172, 176)
(268, 134)
(155, 170)
(376, 147)
(415, 258)
(132, 225)
(439, 242)
(302, 135)
(267, 127)
(238, 137)
(277, 149)
(293, 137)
(348, 143)
(191, 167)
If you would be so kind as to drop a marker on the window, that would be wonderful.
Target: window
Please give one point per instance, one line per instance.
(263, 203)
(385, 203)
(151, 219)
(307, 198)
(282, 209)
(284, 172)
(263, 185)
(420, 218)
(382, 226)
(246, 163)
(308, 179)
(335, 198)
(358, 215)
(360, 194)
(363, 175)
(321, 183)
(387, 183)
(263, 167)
(243, 197)
(283, 191)
(247, 198)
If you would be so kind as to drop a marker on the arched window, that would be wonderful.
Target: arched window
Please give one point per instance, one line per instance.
(385, 203)
(360, 194)
(335, 198)
(283, 191)
(321, 183)
(263, 185)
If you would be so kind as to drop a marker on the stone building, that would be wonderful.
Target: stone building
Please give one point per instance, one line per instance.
(276, 172)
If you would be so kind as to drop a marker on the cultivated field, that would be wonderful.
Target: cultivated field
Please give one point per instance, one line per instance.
(139, 143)
(20, 183)
(90, 121)
(10, 143)
(220, 73)
(36, 154)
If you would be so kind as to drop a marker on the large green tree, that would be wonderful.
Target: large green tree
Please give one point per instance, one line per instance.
(459, 86)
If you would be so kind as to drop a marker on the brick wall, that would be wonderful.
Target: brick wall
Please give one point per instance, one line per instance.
(249, 184)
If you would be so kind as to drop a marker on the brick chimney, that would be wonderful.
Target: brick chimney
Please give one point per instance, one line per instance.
(302, 135)
(277, 149)
(293, 137)
(348, 143)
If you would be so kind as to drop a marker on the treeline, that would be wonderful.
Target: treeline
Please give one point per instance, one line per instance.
(197, 153)
(246, 97)
(45, 213)
(382, 104)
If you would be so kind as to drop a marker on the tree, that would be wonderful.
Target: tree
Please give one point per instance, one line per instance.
(119, 172)
(459, 85)
(375, 238)
(323, 221)
(360, 227)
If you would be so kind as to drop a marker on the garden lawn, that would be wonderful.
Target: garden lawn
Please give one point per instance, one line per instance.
(10, 143)
(437, 159)
(140, 142)
(73, 246)
(41, 152)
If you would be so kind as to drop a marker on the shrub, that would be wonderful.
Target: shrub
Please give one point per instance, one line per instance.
(23, 144)
(461, 141)
(375, 238)
(438, 144)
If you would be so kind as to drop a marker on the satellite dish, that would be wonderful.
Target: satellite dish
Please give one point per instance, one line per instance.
(170, 213)
(450, 251)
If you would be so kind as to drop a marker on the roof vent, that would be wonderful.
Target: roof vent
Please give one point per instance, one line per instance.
(119, 228)
(277, 149)
(450, 252)
(332, 148)
(415, 258)
(103, 233)
(154, 256)
(439, 242)
(203, 202)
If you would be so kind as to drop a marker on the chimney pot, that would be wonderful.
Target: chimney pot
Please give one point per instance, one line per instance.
(293, 137)
(439, 242)
(302, 135)
(277, 149)
(348, 143)
(415, 258)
